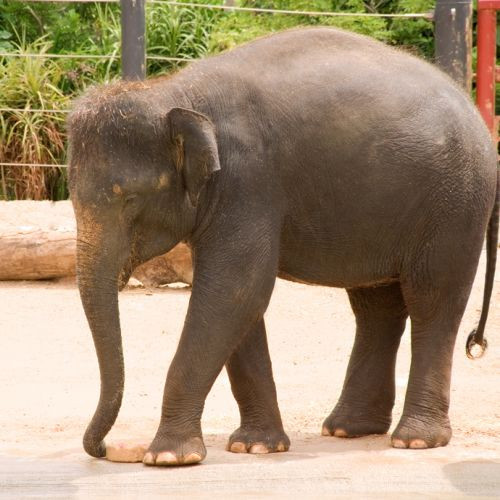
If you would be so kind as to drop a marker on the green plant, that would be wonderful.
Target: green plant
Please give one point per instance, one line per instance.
(172, 31)
(415, 35)
(5, 43)
(34, 17)
(237, 27)
(34, 136)
(95, 31)
(180, 32)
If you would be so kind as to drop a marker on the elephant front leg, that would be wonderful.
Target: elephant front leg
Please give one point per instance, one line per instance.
(205, 345)
(250, 372)
(231, 290)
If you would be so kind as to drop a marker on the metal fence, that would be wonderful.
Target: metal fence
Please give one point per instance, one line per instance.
(452, 20)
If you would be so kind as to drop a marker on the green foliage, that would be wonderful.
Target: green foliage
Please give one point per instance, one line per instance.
(238, 27)
(5, 44)
(415, 35)
(34, 137)
(181, 32)
(34, 17)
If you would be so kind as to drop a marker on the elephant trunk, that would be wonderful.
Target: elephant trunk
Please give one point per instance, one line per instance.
(97, 271)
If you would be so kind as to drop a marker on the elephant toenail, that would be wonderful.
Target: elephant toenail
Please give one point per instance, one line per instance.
(418, 444)
(399, 443)
(281, 447)
(148, 459)
(325, 432)
(340, 433)
(193, 458)
(166, 458)
(258, 449)
(238, 447)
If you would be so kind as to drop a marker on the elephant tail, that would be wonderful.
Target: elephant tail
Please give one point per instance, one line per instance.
(476, 337)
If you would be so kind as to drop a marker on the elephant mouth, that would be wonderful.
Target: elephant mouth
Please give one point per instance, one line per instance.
(124, 276)
(129, 267)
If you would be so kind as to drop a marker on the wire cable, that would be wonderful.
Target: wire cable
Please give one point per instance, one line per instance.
(30, 110)
(44, 165)
(425, 15)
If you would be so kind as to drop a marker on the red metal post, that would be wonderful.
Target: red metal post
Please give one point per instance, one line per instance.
(486, 60)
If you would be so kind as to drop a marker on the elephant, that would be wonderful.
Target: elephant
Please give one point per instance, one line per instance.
(315, 155)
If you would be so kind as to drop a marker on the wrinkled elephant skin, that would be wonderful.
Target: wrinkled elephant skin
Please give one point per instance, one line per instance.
(316, 155)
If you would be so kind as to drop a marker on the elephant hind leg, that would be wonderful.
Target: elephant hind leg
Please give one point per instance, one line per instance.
(367, 398)
(435, 320)
(436, 290)
(436, 312)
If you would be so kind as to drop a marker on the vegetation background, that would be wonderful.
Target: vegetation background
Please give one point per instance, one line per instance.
(46, 83)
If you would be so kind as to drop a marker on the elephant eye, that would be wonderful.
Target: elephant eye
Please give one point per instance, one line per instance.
(131, 207)
(131, 198)
(131, 204)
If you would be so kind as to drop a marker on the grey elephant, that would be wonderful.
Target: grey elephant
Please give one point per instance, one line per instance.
(316, 155)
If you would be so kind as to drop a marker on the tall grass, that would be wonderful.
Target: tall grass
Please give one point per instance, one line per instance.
(31, 137)
(180, 32)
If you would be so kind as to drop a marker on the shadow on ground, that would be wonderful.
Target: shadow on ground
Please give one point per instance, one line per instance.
(475, 477)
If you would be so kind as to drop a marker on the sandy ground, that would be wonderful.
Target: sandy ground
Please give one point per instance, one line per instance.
(49, 388)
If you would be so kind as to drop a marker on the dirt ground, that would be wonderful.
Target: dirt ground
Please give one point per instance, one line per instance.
(49, 388)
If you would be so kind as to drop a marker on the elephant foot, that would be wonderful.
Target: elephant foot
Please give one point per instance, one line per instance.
(257, 441)
(414, 433)
(349, 424)
(127, 452)
(175, 451)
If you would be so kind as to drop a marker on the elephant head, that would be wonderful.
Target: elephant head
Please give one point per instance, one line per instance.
(135, 177)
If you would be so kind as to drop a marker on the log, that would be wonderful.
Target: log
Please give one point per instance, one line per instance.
(38, 241)
(33, 254)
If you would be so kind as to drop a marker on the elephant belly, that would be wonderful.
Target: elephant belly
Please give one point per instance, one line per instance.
(336, 260)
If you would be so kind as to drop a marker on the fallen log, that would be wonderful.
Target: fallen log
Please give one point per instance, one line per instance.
(38, 241)
(37, 254)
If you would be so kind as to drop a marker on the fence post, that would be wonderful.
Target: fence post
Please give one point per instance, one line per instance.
(133, 18)
(453, 38)
(486, 55)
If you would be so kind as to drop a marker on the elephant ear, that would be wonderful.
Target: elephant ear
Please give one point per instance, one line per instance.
(196, 153)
